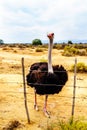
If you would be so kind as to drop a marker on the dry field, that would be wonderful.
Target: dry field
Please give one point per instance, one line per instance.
(12, 109)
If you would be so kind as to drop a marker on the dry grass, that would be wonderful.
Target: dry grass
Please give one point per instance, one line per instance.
(12, 125)
(11, 90)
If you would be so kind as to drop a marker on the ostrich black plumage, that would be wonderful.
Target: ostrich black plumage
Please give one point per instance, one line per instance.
(45, 78)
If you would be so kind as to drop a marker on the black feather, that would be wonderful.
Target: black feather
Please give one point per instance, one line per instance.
(44, 82)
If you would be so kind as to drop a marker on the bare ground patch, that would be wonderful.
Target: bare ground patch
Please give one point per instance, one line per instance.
(12, 98)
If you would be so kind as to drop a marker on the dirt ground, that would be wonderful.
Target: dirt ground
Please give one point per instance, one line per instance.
(12, 109)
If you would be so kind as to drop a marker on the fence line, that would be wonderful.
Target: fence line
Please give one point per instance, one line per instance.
(25, 96)
(77, 106)
(33, 93)
(73, 97)
(74, 90)
(68, 86)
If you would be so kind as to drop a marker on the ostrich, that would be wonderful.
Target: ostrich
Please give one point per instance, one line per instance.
(45, 78)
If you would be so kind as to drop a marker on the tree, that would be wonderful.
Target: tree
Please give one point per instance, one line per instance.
(1, 41)
(36, 42)
(70, 42)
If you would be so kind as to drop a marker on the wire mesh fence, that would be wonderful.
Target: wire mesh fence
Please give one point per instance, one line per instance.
(74, 100)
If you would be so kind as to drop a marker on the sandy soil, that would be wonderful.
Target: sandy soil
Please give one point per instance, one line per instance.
(12, 107)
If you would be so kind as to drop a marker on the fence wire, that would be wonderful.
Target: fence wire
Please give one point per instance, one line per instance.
(67, 86)
(61, 96)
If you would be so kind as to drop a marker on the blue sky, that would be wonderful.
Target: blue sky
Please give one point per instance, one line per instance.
(21, 21)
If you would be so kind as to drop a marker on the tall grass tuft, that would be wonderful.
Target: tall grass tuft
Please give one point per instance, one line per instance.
(67, 125)
(39, 50)
(72, 51)
(73, 125)
(81, 67)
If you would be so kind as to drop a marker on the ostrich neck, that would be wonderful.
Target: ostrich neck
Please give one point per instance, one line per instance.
(50, 68)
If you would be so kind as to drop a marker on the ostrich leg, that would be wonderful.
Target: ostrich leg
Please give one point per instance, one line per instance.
(45, 107)
(35, 101)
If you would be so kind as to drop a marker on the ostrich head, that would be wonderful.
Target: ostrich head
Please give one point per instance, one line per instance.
(51, 37)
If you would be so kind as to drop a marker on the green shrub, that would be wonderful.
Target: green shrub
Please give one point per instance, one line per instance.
(80, 67)
(36, 42)
(1, 42)
(73, 125)
(67, 125)
(72, 51)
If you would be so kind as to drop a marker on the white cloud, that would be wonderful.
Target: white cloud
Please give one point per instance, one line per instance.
(22, 21)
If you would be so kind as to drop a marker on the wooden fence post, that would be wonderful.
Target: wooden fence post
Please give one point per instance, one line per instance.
(74, 89)
(25, 97)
